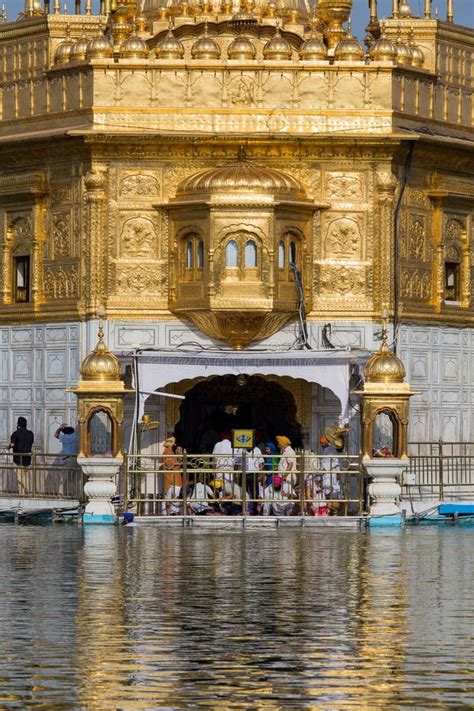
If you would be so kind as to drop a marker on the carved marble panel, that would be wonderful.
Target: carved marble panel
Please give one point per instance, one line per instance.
(22, 364)
(56, 364)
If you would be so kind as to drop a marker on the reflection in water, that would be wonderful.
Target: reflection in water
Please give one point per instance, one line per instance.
(106, 618)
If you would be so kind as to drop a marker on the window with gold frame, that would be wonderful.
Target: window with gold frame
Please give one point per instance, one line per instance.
(243, 257)
(192, 256)
(289, 252)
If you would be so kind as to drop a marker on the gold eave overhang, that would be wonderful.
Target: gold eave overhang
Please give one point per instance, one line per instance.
(106, 387)
(242, 200)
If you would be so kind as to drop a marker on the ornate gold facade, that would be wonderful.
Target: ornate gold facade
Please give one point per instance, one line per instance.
(106, 119)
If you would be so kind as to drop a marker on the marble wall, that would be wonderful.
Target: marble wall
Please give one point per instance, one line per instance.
(37, 364)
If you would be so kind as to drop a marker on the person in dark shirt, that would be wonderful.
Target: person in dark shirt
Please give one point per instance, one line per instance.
(21, 442)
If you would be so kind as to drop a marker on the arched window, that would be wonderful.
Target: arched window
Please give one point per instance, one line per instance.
(281, 255)
(200, 254)
(192, 257)
(251, 254)
(292, 252)
(189, 255)
(232, 254)
(289, 252)
(100, 434)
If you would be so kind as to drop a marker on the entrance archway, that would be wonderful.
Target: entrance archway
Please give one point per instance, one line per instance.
(222, 403)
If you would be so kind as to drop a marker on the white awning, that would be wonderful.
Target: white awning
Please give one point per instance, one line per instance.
(330, 369)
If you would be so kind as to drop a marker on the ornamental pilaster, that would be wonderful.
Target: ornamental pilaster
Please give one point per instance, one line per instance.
(95, 182)
(386, 184)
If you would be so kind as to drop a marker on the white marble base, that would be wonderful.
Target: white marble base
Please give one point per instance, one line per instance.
(100, 487)
(385, 489)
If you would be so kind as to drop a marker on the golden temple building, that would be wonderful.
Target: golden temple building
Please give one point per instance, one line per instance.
(246, 191)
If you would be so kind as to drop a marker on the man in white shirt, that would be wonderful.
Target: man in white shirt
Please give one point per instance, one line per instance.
(278, 498)
(254, 463)
(198, 501)
(224, 458)
(287, 463)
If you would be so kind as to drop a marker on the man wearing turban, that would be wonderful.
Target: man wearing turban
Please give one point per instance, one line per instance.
(287, 463)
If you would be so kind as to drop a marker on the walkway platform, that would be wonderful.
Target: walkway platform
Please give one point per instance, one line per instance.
(254, 522)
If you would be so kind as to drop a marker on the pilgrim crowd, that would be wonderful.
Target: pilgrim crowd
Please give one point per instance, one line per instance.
(266, 479)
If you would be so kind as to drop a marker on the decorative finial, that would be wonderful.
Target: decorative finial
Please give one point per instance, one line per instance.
(4, 13)
(349, 27)
(65, 9)
(100, 331)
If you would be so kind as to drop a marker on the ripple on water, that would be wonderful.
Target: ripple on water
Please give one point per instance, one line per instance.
(114, 618)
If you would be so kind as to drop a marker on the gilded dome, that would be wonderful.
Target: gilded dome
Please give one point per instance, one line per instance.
(205, 47)
(63, 52)
(241, 176)
(404, 55)
(79, 49)
(277, 48)
(169, 47)
(134, 48)
(313, 49)
(384, 366)
(99, 47)
(417, 55)
(101, 364)
(383, 50)
(348, 50)
(241, 48)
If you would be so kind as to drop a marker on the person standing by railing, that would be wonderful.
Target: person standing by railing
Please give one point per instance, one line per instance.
(21, 441)
(224, 460)
(287, 462)
(63, 482)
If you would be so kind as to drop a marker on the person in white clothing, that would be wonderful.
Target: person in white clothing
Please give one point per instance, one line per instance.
(171, 507)
(224, 459)
(198, 501)
(332, 446)
(287, 462)
(278, 498)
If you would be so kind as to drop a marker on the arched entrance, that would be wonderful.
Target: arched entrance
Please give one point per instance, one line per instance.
(226, 402)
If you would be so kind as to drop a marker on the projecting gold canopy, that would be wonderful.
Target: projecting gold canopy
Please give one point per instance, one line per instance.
(243, 176)
(101, 364)
(384, 366)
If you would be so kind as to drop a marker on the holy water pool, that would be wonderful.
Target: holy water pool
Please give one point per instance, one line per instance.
(143, 618)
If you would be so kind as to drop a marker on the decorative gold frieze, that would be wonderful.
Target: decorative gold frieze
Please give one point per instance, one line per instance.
(138, 237)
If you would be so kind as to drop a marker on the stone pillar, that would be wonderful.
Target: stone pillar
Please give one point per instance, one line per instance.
(100, 487)
(385, 489)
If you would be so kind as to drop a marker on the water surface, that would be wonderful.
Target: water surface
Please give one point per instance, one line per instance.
(141, 618)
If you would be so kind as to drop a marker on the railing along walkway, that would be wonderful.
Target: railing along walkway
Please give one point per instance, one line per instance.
(440, 470)
(48, 476)
(207, 484)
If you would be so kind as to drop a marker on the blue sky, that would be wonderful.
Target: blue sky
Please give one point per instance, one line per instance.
(463, 10)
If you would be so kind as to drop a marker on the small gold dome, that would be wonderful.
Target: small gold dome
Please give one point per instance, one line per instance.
(79, 49)
(277, 48)
(63, 52)
(134, 48)
(404, 55)
(241, 176)
(383, 50)
(99, 47)
(169, 47)
(384, 366)
(417, 55)
(101, 364)
(349, 50)
(205, 47)
(313, 49)
(241, 48)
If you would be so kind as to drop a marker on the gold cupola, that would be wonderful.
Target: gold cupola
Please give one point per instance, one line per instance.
(385, 398)
(383, 50)
(79, 49)
(134, 48)
(169, 47)
(313, 49)
(417, 55)
(99, 48)
(101, 364)
(404, 55)
(278, 48)
(241, 48)
(205, 47)
(384, 366)
(349, 50)
(63, 51)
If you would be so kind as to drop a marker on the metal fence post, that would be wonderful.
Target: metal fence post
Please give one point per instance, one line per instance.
(185, 482)
(441, 469)
(244, 483)
(302, 479)
(33, 471)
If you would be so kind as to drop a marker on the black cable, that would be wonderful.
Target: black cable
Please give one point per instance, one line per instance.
(396, 297)
(301, 306)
